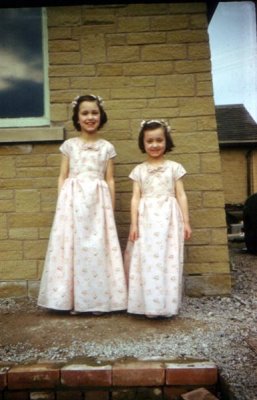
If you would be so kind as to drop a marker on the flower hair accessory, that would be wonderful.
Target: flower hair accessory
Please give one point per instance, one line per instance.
(161, 122)
(75, 101)
(97, 98)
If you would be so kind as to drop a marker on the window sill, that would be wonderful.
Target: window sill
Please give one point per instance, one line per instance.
(40, 134)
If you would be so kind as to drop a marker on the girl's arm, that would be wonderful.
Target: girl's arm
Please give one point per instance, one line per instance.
(183, 204)
(64, 171)
(110, 180)
(133, 233)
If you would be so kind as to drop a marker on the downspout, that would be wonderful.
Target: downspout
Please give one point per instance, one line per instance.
(248, 172)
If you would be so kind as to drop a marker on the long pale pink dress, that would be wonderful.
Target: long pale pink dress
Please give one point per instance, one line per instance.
(83, 267)
(154, 262)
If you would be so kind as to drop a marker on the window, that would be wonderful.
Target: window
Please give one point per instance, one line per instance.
(24, 98)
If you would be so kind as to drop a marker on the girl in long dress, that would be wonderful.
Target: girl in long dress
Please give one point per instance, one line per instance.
(83, 269)
(159, 225)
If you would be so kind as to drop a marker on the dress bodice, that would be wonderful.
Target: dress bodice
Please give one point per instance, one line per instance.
(87, 159)
(155, 181)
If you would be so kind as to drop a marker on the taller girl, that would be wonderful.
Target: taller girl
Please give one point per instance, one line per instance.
(159, 224)
(83, 268)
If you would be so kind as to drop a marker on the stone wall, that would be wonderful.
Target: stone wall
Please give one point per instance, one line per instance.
(146, 61)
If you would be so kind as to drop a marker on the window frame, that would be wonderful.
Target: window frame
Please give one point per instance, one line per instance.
(32, 122)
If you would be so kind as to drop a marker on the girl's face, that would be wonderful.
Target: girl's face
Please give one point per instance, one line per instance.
(155, 143)
(89, 116)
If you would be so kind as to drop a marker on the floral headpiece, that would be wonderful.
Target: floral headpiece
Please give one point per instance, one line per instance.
(97, 98)
(161, 122)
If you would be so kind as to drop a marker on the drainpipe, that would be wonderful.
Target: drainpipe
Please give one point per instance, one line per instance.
(248, 171)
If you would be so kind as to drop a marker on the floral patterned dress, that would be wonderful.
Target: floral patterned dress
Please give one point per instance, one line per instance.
(83, 268)
(154, 262)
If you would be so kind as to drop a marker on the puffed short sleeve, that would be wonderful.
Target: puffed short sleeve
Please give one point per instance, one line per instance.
(65, 148)
(111, 151)
(135, 174)
(179, 171)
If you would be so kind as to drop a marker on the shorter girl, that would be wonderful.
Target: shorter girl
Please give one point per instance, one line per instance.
(83, 267)
(159, 224)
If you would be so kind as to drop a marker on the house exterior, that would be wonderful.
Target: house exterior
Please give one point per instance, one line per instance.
(146, 61)
(237, 132)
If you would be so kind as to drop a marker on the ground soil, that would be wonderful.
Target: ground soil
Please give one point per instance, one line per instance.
(220, 329)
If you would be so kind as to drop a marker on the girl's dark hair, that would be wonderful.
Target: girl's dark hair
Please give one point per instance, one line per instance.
(88, 97)
(151, 125)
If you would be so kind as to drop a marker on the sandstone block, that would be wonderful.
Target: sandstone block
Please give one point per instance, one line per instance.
(110, 69)
(189, 8)
(74, 70)
(187, 36)
(198, 21)
(205, 182)
(63, 45)
(23, 233)
(146, 38)
(213, 199)
(169, 22)
(196, 106)
(133, 93)
(35, 249)
(58, 83)
(206, 268)
(32, 160)
(56, 32)
(92, 53)
(219, 236)
(164, 52)
(18, 270)
(116, 39)
(205, 254)
(198, 51)
(7, 205)
(208, 285)
(29, 220)
(204, 89)
(123, 53)
(7, 167)
(27, 201)
(148, 68)
(143, 9)
(133, 24)
(208, 218)
(13, 289)
(63, 18)
(175, 85)
(70, 57)
(59, 112)
(192, 66)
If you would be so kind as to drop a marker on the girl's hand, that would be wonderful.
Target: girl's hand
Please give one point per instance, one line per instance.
(187, 231)
(133, 233)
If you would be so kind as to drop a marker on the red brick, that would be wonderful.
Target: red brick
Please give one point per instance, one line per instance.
(75, 375)
(174, 392)
(97, 395)
(198, 373)
(68, 395)
(16, 396)
(3, 379)
(199, 394)
(37, 376)
(42, 396)
(138, 373)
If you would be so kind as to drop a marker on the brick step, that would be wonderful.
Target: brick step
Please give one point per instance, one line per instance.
(164, 379)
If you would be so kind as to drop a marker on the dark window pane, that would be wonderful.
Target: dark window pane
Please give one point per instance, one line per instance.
(21, 66)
